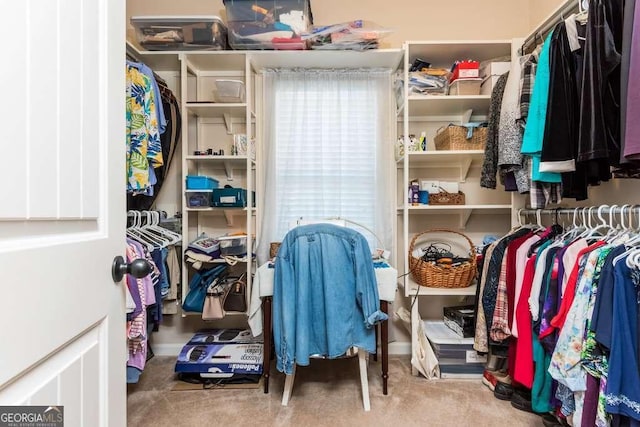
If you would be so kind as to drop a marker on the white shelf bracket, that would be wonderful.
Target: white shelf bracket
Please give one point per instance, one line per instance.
(464, 218)
(228, 215)
(228, 122)
(228, 169)
(465, 165)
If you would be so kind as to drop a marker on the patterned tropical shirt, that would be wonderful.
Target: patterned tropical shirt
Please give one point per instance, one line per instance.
(143, 139)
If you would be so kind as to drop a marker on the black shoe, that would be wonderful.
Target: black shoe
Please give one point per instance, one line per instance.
(550, 420)
(503, 391)
(521, 400)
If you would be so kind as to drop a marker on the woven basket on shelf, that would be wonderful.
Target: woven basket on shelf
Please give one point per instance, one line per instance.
(454, 137)
(437, 276)
(444, 198)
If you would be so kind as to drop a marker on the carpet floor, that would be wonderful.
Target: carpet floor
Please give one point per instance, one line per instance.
(326, 393)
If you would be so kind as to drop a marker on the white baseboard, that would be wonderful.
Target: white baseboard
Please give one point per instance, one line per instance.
(400, 348)
(167, 349)
(395, 348)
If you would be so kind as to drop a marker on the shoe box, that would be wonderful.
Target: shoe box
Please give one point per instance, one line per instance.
(221, 353)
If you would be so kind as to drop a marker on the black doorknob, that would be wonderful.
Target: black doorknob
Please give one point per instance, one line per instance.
(139, 268)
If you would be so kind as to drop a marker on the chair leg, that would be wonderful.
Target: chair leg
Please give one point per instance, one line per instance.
(364, 379)
(288, 387)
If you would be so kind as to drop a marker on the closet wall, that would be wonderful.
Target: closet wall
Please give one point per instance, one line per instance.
(540, 9)
(491, 19)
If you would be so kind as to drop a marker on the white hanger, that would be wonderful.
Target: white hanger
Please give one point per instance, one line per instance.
(135, 232)
(176, 238)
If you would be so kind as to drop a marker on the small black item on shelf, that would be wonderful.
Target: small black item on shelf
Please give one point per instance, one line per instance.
(418, 64)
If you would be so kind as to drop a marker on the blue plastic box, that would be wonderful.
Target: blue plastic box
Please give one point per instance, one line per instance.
(230, 198)
(199, 182)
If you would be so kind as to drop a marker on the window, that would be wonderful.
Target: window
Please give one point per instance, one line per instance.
(327, 150)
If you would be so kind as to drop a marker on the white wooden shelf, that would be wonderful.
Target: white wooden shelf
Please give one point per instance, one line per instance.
(217, 110)
(412, 287)
(447, 105)
(464, 211)
(443, 53)
(229, 213)
(460, 159)
(228, 163)
(156, 60)
(439, 209)
(431, 112)
(375, 58)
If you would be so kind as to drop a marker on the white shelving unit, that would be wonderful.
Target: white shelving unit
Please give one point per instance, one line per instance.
(429, 113)
(208, 124)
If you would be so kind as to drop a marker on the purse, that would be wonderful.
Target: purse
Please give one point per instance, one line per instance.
(235, 298)
(194, 301)
(212, 309)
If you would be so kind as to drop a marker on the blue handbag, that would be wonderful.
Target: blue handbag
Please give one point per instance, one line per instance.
(194, 301)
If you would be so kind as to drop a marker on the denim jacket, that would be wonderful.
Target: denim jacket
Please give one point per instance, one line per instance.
(325, 296)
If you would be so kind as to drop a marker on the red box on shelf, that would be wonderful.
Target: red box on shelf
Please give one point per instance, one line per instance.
(465, 70)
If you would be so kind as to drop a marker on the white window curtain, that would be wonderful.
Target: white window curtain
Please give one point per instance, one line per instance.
(328, 152)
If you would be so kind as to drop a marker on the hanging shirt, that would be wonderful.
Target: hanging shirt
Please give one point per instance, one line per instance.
(600, 95)
(510, 132)
(623, 386)
(534, 131)
(632, 124)
(521, 262)
(490, 163)
(565, 364)
(143, 140)
(161, 119)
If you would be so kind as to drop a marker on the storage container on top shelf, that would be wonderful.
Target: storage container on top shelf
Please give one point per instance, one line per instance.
(273, 24)
(180, 32)
(200, 182)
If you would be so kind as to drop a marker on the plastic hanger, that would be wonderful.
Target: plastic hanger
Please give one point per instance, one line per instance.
(603, 224)
(630, 244)
(155, 225)
(153, 237)
(154, 232)
(135, 232)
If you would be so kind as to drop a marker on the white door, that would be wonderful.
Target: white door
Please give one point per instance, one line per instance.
(62, 207)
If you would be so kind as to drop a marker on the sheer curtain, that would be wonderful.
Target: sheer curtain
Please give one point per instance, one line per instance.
(327, 151)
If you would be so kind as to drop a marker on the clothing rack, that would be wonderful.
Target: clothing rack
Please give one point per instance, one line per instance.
(586, 212)
(560, 14)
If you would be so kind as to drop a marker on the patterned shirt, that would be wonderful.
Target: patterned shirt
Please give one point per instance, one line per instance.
(144, 150)
(565, 364)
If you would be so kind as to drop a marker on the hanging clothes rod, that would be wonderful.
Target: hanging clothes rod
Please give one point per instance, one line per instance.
(541, 31)
(603, 209)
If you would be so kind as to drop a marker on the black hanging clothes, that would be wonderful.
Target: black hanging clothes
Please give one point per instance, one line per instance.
(600, 93)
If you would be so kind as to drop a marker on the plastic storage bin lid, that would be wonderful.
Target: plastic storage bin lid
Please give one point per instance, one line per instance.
(149, 19)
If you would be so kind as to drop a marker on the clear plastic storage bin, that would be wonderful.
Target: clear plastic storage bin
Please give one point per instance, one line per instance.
(229, 91)
(198, 198)
(180, 32)
(272, 24)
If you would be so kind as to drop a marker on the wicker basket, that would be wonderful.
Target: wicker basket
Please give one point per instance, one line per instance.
(436, 276)
(454, 137)
(444, 198)
(273, 249)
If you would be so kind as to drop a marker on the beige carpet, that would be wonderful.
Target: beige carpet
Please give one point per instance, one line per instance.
(327, 393)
